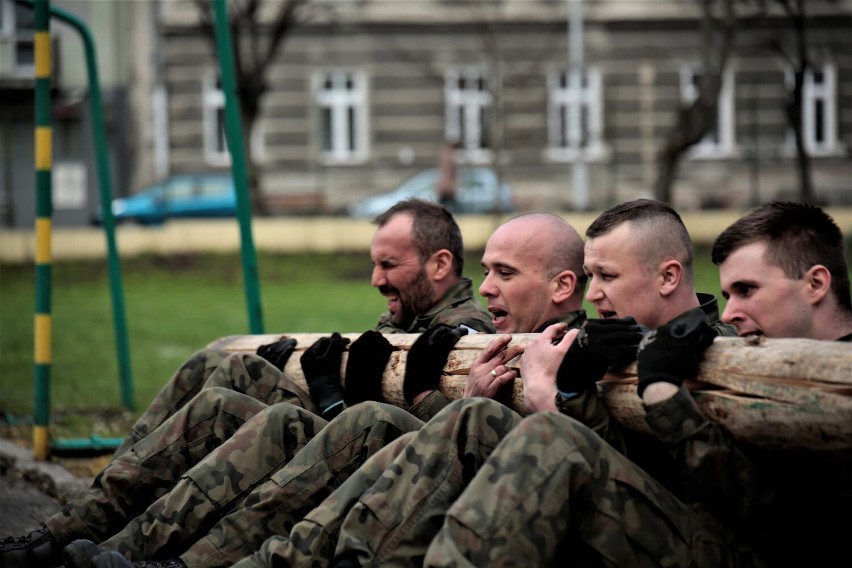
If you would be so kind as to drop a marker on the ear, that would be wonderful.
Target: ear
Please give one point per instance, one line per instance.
(817, 282)
(442, 264)
(670, 273)
(565, 285)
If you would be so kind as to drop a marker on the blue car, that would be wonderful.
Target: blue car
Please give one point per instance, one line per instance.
(478, 193)
(178, 197)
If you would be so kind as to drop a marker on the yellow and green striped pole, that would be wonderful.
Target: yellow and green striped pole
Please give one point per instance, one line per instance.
(43, 230)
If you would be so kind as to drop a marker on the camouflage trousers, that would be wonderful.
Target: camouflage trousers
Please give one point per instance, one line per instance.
(210, 397)
(476, 486)
(245, 373)
(257, 484)
(396, 501)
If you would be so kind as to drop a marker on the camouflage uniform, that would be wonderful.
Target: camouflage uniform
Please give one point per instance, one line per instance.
(268, 488)
(400, 511)
(174, 434)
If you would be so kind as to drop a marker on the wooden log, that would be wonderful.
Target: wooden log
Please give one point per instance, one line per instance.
(776, 393)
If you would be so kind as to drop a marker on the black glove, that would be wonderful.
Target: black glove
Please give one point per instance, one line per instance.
(427, 358)
(277, 353)
(672, 352)
(601, 344)
(321, 366)
(368, 357)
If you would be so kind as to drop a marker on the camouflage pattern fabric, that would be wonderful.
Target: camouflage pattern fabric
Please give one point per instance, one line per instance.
(241, 372)
(134, 479)
(457, 307)
(553, 490)
(391, 507)
(174, 434)
(270, 472)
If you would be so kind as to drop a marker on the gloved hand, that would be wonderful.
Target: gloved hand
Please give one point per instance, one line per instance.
(427, 358)
(600, 345)
(278, 352)
(368, 357)
(672, 352)
(321, 366)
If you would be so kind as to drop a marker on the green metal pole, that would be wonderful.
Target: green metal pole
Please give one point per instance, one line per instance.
(106, 193)
(234, 135)
(43, 354)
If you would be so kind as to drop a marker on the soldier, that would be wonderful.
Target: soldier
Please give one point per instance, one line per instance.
(417, 255)
(517, 264)
(389, 510)
(551, 489)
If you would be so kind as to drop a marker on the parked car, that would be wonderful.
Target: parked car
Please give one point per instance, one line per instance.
(180, 196)
(478, 192)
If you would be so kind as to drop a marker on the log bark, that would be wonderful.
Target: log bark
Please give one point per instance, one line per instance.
(775, 393)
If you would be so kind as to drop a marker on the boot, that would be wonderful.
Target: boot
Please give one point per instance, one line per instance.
(39, 549)
(113, 559)
(80, 553)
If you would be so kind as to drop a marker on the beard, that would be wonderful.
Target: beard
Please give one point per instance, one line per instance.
(417, 299)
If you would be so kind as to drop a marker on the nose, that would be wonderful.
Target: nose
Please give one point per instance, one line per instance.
(487, 289)
(594, 293)
(731, 313)
(378, 277)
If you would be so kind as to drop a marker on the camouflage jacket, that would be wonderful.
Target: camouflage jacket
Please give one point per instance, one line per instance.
(588, 407)
(783, 504)
(457, 307)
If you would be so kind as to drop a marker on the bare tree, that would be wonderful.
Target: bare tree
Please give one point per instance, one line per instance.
(720, 24)
(798, 61)
(257, 41)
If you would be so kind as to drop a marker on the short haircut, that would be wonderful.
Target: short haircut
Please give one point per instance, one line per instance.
(798, 236)
(661, 231)
(433, 229)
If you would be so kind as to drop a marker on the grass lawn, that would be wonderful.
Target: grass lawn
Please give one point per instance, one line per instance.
(174, 306)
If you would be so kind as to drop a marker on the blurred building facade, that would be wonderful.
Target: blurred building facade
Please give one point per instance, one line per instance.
(366, 92)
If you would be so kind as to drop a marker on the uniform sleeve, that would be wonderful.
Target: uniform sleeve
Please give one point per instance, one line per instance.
(431, 404)
(717, 471)
(588, 408)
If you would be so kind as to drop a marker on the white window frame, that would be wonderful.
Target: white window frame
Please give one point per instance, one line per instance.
(465, 109)
(346, 104)
(812, 93)
(216, 152)
(725, 146)
(13, 36)
(560, 102)
(213, 102)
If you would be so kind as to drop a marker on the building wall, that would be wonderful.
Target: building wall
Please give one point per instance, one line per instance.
(404, 62)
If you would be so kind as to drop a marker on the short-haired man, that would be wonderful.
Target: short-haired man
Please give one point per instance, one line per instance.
(388, 509)
(417, 254)
(515, 263)
(552, 489)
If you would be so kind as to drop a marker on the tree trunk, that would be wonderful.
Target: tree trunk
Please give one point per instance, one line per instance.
(775, 393)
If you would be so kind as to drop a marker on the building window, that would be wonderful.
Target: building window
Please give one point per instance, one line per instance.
(215, 144)
(216, 151)
(341, 99)
(467, 102)
(575, 116)
(719, 141)
(818, 110)
(17, 28)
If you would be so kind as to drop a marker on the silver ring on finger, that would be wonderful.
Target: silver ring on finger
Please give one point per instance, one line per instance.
(494, 373)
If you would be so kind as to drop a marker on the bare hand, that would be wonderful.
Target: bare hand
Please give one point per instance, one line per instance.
(489, 371)
(539, 364)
